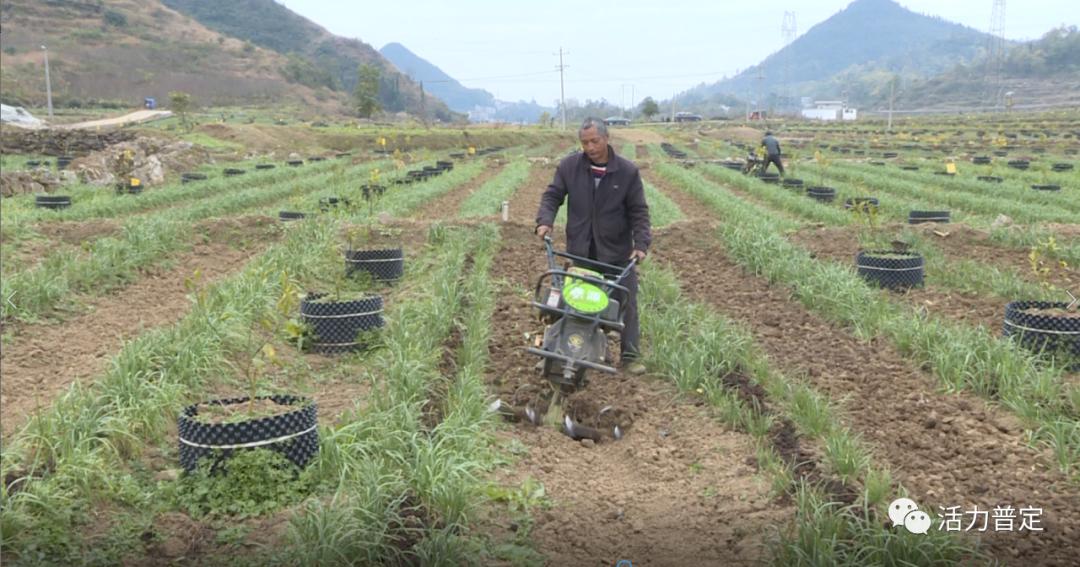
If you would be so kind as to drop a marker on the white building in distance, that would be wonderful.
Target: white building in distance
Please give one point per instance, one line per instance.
(830, 110)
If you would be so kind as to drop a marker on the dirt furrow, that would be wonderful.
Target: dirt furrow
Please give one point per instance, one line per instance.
(526, 200)
(43, 360)
(445, 207)
(839, 245)
(692, 208)
(67, 236)
(948, 450)
(962, 241)
(678, 489)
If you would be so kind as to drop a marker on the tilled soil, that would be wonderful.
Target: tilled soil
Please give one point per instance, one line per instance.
(28, 254)
(42, 360)
(678, 489)
(526, 200)
(446, 206)
(973, 244)
(77, 232)
(947, 450)
(840, 245)
(338, 386)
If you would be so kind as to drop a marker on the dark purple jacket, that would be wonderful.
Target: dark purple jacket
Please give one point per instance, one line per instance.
(615, 214)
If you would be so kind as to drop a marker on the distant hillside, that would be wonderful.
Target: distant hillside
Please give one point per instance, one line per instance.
(457, 96)
(315, 55)
(867, 37)
(118, 52)
(115, 52)
(478, 103)
(1044, 73)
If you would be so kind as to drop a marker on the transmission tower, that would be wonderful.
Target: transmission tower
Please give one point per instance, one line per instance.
(788, 31)
(995, 53)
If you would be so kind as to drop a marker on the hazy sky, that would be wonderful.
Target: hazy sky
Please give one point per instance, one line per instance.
(658, 47)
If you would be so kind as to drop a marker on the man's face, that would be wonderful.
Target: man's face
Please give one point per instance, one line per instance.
(593, 144)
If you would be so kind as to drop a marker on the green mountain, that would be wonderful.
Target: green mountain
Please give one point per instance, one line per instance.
(1040, 74)
(457, 96)
(116, 52)
(315, 56)
(867, 38)
(478, 103)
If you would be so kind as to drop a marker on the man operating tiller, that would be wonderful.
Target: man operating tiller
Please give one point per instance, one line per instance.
(607, 220)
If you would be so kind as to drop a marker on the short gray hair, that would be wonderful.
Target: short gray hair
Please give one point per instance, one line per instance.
(590, 122)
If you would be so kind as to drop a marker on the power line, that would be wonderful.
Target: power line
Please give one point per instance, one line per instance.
(593, 80)
(493, 78)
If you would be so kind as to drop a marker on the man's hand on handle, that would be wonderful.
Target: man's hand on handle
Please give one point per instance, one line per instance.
(544, 230)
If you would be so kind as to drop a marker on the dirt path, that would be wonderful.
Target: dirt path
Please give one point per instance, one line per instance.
(949, 450)
(43, 360)
(526, 200)
(136, 117)
(635, 136)
(446, 206)
(679, 489)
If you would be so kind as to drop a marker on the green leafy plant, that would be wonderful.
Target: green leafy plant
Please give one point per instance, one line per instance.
(823, 165)
(372, 193)
(182, 104)
(256, 482)
(1046, 264)
(868, 219)
(122, 165)
(256, 351)
(529, 495)
(357, 235)
(366, 93)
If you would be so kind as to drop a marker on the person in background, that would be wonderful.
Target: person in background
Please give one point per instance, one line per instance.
(772, 152)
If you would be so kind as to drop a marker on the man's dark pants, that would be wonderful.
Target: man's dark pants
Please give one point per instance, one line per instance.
(629, 339)
(773, 159)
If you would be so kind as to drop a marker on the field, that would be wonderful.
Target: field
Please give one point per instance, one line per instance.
(786, 404)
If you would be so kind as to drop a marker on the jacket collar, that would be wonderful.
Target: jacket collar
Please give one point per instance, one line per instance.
(612, 160)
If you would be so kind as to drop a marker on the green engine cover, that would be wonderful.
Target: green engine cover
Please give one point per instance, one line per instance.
(584, 296)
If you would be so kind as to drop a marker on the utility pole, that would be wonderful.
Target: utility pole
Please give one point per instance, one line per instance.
(48, 82)
(631, 101)
(761, 90)
(673, 107)
(423, 104)
(562, 88)
(788, 32)
(892, 94)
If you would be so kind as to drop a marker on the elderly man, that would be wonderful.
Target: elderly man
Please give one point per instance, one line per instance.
(607, 217)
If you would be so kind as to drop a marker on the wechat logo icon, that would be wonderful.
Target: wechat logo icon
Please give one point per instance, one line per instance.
(904, 511)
